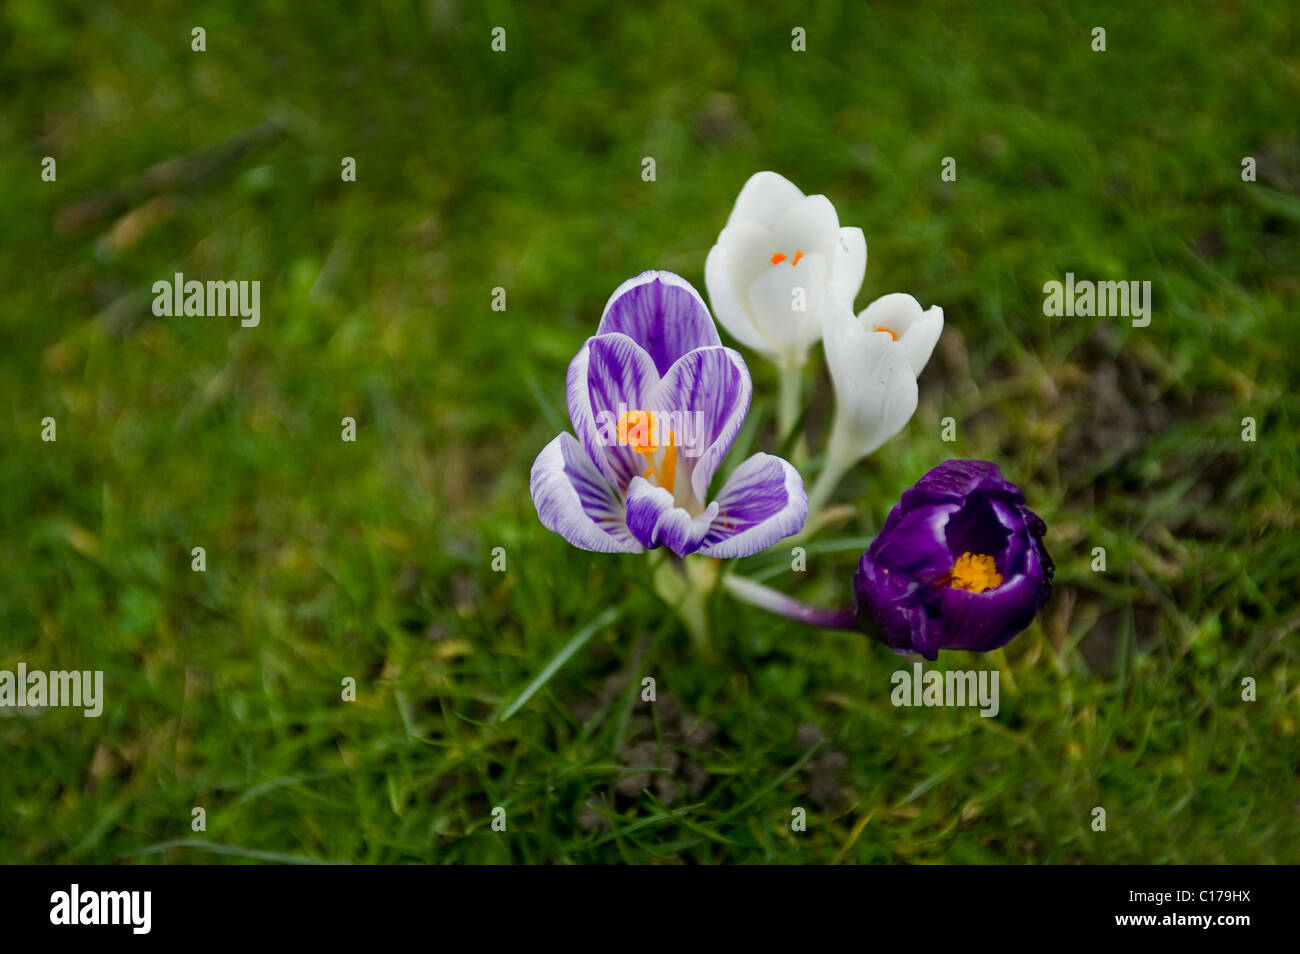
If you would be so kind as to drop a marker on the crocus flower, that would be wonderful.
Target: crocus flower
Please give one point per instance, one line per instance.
(656, 402)
(775, 264)
(960, 564)
(874, 359)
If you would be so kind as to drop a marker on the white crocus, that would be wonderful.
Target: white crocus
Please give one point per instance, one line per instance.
(781, 257)
(874, 359)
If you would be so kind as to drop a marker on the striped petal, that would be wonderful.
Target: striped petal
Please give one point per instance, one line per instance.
(762, 502)
(662, 313)
(710, 389)
(655, 519)
(610, 375)
(574, 500)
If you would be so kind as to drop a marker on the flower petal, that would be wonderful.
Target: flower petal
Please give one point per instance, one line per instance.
(762, 502)
(728, 307)
(984, 621)
(810, 225)
(918, 330)
(875, 389)
(920, 339)
(711, 388)
(610, 375)
(749, 247)
(896, 602)
(976, 528)
(954, 479)
(662, 313)
(574, 500)
(849, 265)
(763, 198)
(655, 520)
(775, 300)
(917, 543)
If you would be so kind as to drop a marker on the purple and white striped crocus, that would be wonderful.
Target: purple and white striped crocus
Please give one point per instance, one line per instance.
(656, 402)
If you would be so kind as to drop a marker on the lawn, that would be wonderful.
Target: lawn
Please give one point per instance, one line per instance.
(373, 560)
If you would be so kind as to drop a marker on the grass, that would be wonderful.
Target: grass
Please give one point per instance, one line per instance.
(373, 560)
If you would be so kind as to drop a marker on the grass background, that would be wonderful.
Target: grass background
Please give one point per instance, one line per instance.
(522, 170)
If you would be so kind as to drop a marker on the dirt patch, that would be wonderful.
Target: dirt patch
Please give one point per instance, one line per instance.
(1117, 406)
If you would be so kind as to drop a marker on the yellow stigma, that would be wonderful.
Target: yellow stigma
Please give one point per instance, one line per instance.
(974, 572)
(640, 431)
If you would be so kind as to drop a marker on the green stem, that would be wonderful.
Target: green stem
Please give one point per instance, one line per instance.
(685, 585)
(787, 410)
(832, 472)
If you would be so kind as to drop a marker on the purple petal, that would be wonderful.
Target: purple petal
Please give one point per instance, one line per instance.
(612, 374)
(916, 543)
(655, 520)
(955, 479)
(897, 603)
(984, 621)
(574, 500)
(761, 502)
(662, 313)
(975, 528)
(709, 389)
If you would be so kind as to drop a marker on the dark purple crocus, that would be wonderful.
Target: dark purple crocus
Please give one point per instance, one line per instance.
(656, 402)
(960, 564)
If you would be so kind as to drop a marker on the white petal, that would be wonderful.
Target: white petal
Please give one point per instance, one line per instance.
(727, 306)
(749, 249)
(850, 264)
(809, 225)
(896, 312)
(763, 198)
(902, 314)
(920, 339)
(875, 389)
(773, 301)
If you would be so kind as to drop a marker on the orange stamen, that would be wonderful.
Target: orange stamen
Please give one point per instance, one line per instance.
(797, 255)
(891, 332)
(778, 258)
(638, 430)
(974, 572)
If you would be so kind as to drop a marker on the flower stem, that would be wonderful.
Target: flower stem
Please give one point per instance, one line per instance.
(764, 597)
(685, 585)
(787, 410)
(840, 458)
(832, 472)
